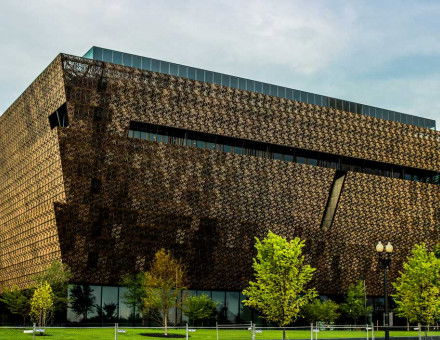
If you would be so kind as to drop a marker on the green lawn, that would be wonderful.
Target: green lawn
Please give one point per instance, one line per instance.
(200, 334)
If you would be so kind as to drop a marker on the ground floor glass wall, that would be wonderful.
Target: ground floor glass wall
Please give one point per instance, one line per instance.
(109, 306)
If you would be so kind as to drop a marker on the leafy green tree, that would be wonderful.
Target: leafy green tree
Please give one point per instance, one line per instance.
(354, 306)
(17, 301)
(199, 307)
(42, 304)
(325, 311)
(163, 284)
(136, 292)
(417, 290)
(58, 275)
(279, 290)
(82, 300)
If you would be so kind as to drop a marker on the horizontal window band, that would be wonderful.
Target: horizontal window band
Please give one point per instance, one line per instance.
(176, 136)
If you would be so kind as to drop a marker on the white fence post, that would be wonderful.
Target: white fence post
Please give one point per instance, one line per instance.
(372, 331)
(311, 331)
(116, 331)
(186, 332)
(253, 331)
(34, 330)
(216, 327)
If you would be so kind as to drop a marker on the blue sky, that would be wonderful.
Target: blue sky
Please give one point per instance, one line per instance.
(381, 53)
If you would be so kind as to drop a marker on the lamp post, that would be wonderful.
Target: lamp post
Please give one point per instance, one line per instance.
(385, 262)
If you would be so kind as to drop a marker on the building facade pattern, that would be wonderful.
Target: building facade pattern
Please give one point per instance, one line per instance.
(120, 199)
(30, 180)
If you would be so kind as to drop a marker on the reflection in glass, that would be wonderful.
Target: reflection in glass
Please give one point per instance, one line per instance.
(110, 300)
(125, 311)
(232, 306)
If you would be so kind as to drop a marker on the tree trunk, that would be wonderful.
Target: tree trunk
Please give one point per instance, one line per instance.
(420, 331)
(284, 333)
(165, 322)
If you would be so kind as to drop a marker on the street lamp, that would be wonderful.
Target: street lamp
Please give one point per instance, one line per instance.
(385, 262)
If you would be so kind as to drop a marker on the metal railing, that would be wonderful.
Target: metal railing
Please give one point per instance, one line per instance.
(247, 331)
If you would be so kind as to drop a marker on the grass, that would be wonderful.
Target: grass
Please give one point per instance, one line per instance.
(200, 334)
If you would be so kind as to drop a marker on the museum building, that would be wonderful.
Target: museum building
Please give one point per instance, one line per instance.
(108, 157)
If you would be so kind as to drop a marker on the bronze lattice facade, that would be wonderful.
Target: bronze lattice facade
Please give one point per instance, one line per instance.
(76, 183)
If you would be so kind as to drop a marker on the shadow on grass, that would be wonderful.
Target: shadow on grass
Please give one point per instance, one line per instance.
(161, 335)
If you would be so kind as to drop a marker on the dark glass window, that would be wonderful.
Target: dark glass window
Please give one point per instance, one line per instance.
(174, 69)
(191, 73)
(217, 78)
(200, 75)
(258, 87)
(146, 63)
(127, 59)
(202, 140)
(183, 71)
(225, 80)
(137, 61)
(209, 76)
(266, 88)
(234, 82)
(59, 117)
(155, 65)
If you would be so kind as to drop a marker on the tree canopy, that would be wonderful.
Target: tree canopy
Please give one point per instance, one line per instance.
(417, 289)
(355, 305)
(42, 304)
(163, 284)
(317, 310)
(279, 290)
(199, 307)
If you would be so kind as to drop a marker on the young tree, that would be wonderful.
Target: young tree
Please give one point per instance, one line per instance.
(418, 288)
(57, 275)
(42, 304)
(136, 292)
(17, 301)
(82, 300)
(325, 311)
(279, 290)
(199, 307)
(163, 284)
(354, 306)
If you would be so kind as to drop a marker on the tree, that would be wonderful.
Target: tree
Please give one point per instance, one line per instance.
(82, 301)
(136, 292)
(417, 290)
(199, 307)
(163, 284)
(279, 290)
(355, 305)
(42, 304)
(17, 301)
(317, 310)
(58, 275)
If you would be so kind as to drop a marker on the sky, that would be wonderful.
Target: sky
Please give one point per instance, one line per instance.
(380, 53)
